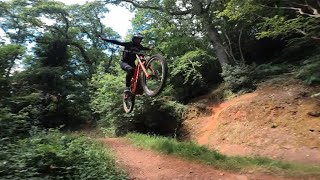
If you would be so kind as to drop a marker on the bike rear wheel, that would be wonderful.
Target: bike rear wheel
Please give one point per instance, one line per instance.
(128, 102)
(157, 68)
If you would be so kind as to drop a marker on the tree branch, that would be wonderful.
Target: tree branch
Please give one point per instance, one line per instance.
(229, 47)
(64, 17)
(300, 11)
(53, 28)
(314, 10)
(99, 21)
(306, 34)
(82, 51)
(143, 6)
(240, 48)
(158, 8)
(86, 32)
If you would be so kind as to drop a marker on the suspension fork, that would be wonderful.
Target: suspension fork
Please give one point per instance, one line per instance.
(142, 67)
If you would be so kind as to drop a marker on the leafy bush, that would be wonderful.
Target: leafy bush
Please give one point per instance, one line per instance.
(270, 69)
(192, 72)
(13, 126)
(8, 55)
(106, 101)
(159, 116)
(310, 72)
(238, 77)
(45, 110)
(56, 156)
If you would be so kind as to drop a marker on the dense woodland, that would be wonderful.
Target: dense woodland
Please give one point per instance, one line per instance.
(57, 75)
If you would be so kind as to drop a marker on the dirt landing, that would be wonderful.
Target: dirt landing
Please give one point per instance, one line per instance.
(211, 121)
(144, 164)
(280, 120)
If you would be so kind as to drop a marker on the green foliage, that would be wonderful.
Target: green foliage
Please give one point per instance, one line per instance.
(61, 62)
(282, 26)
(174, 108)
(240, 10)
(106, 100)
(238, 77)
(48, 99)
(309, 72)
(56, 156)
(9, 54)
(192, 72)
(186, 49)
(276, 19)
(188, 67)
(202, 154)
(271, 69)
(13, 126)
(158, 116)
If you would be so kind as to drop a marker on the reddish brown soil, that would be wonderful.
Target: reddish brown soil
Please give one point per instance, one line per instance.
(280, 120)
(145, 164)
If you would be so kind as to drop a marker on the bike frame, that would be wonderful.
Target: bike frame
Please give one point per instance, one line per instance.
(140, 66)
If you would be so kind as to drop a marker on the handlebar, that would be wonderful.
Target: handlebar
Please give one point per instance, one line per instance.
(134, 52)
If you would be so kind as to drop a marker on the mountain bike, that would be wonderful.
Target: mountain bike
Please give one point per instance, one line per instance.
(149, 77)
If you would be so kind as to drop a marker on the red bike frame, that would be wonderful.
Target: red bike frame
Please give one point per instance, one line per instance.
(135, 78)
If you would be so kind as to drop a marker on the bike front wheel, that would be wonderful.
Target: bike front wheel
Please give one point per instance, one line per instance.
(128, 102)
(157, 69)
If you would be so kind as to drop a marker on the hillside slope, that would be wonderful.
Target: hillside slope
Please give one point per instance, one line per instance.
(279, 120)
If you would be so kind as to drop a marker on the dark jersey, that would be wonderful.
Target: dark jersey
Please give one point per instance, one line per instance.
(129, 46)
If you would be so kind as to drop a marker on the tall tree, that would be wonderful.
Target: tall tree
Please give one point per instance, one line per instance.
(54, 86)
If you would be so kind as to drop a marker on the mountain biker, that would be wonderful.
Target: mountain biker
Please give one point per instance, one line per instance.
(128, 58)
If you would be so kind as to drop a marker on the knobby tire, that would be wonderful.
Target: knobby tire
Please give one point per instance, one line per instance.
(128, 103)
(163, 74)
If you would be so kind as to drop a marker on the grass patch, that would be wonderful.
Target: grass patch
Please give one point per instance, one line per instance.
(191, 151)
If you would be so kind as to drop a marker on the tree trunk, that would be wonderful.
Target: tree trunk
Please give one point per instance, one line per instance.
(218, 47)
(199, 10)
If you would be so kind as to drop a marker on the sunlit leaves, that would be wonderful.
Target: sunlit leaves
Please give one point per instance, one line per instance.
(281, 26)
(189, 66)
(239, 10)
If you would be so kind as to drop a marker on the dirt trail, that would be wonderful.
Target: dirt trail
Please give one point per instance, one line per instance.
(145, 164)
